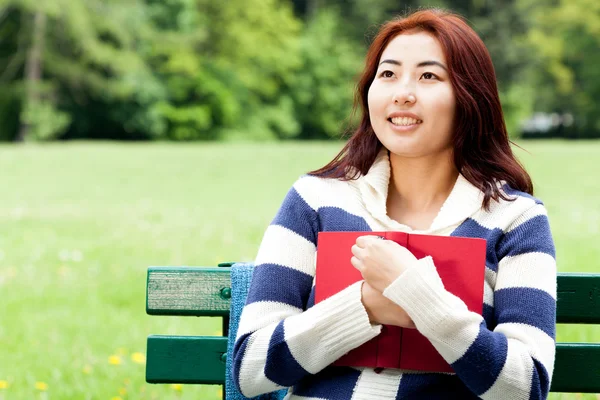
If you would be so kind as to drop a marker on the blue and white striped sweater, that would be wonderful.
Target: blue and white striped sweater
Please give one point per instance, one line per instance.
(285, 340)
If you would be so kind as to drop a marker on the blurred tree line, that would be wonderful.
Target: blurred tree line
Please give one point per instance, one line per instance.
(261, 69)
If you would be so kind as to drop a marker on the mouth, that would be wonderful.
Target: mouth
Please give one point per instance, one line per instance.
(404, 121)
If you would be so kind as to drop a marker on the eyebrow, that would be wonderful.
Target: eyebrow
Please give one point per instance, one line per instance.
(421, 64)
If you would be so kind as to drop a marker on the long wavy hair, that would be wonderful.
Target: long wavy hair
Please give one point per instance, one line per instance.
(482, 151)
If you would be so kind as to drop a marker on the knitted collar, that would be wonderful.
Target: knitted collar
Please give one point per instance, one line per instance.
(464, 200)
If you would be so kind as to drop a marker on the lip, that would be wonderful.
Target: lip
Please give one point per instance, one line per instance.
(403, 114)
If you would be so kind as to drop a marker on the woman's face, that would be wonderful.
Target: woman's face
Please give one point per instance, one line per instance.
(411, 100)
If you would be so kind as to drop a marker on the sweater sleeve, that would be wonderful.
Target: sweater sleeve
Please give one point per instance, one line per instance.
(279, 341)
(515, 360)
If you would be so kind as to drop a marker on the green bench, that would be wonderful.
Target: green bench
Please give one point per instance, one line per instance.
(204, 291)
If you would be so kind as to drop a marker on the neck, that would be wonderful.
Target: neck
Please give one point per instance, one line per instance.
(423, 183)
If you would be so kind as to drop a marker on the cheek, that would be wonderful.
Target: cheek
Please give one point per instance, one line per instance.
(445, 106)
(374, 99)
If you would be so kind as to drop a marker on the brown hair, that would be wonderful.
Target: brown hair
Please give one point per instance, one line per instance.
(482, 151)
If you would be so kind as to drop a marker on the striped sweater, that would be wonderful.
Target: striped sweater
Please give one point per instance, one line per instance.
(285, 340)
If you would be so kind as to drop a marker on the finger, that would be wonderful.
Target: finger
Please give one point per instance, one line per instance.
(363, 241)
(369, 287)
(356, 263)
(357, 251)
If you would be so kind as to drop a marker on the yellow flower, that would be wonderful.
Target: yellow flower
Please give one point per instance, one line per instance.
(116, 398)
(63, 270)
(122, 391)
(41, 386)
(114, 360)
(138, 358)
(87, 369)
(3, 384)
(177, 386)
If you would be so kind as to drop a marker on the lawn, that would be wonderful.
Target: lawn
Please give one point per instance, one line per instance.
(81, 222)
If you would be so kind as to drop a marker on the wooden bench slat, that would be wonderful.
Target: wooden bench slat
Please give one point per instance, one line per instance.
(578, 298)
(577, 368)
(199, 291)
(199, 359)
(192, 291)
(186, 359)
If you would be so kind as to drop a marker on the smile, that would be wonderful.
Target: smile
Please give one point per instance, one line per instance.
(404, 121)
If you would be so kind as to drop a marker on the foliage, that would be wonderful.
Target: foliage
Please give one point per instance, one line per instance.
(262, 69)
(566, 39)
(45, 120)
(322, 89)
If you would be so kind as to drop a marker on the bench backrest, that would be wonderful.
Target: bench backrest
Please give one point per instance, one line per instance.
(204, 291)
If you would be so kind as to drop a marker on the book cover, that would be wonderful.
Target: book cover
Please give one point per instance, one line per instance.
(460, 263)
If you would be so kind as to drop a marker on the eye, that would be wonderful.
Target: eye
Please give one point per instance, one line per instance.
(386, 74)
(429, 76)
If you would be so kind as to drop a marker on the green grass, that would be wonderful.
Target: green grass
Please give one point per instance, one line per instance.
(81, 222)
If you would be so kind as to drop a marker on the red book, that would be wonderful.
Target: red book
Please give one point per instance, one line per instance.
(460, 263)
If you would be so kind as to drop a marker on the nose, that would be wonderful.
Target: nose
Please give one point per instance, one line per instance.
(404, 94)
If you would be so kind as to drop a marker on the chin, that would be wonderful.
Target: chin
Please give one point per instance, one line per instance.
(403, 146)
(406, 154)
(407, 150)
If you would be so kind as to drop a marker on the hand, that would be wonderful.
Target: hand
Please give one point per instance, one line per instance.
(382, 310)
(379, 261)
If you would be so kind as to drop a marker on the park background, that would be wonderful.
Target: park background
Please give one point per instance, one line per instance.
(166, 132)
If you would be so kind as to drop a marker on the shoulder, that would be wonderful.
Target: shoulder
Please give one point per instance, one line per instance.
(516, 208)
(318, 192)
(517, 194)
(517, 215)
(526, 230)
(300, 209)
(524, 224)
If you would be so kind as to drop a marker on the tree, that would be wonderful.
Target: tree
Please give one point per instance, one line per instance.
(565, 37)
(322, 88)
(74, 50)
(225, 68)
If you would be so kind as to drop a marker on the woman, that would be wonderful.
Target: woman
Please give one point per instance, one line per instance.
(430, 156)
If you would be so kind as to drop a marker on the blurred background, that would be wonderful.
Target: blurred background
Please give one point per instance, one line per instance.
(167, 132)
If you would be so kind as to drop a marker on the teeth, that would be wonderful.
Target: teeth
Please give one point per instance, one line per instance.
(405, 121)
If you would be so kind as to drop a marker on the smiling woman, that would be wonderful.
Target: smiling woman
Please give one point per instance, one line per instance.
(431, 156)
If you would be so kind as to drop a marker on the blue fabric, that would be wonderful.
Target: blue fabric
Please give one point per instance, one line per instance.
(476, 355)
(297, 216)
(279, 354)
(274, 290)
(335, 219)
(511, 301)
(330, 383)
(471, 228)
(241, 276)
(532, 236)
